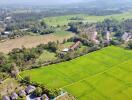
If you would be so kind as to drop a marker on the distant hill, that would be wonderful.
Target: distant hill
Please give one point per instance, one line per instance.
(103, 5)
(110, 3)
(74, 3)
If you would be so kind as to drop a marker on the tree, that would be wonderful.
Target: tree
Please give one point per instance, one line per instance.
(54, 92)
(38, 91)
(14, 70)
(5, 63)
(52, 46)
(26, 79)
(44, 24)
(130, 44)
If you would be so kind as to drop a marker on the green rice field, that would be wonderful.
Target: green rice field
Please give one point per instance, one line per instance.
(102, 75)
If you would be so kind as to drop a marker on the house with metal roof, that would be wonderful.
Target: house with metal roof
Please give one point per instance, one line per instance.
(14, 96)
(5, 98)
(22, 93)
(30, 89)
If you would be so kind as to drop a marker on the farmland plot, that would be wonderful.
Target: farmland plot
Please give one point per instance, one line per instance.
(32, 41)
(101, 75)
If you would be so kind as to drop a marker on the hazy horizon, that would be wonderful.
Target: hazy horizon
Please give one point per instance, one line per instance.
(51, 2)
(44, 2)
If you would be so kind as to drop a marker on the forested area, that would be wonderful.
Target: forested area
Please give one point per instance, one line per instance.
(111, 25)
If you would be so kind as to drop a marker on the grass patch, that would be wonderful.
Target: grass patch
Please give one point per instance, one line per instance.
(46, 56)
(62, 33)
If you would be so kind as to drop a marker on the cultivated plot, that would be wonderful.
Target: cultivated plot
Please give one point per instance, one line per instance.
(101, 75)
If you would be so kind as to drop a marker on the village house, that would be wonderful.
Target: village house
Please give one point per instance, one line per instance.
(94, 37)
(5, 98)
(75, 46)
(8, 19)
(126, 36)
(22, 93)
(14, 96)
(7, 33)
(108, 36)
(71, 48)
(44, 97)
(30, 89)
(65, 50)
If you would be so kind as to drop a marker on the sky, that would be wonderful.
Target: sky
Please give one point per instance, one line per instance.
(47, 2)
(50, 2)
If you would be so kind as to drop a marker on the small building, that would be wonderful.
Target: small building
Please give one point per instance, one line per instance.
(5, 98)
(7, 33)
(126, 36)
(108, 35)
(30, 89)
(65, 50)
(94, 37)
(75, 46)
(22, 93)
(14, 96)
(44, 97)
(8, 18)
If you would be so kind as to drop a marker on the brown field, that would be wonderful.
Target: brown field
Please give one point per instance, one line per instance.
(30, 41)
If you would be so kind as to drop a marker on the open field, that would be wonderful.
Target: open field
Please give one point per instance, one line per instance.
(64, 20)
(101, 75)
(32, 41)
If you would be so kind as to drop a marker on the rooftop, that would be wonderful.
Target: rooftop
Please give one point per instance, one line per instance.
(66, 50)
(30, 89)
(6, 98)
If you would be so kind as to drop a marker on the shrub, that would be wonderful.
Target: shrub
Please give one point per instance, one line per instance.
(38, 91)
(130, 44)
